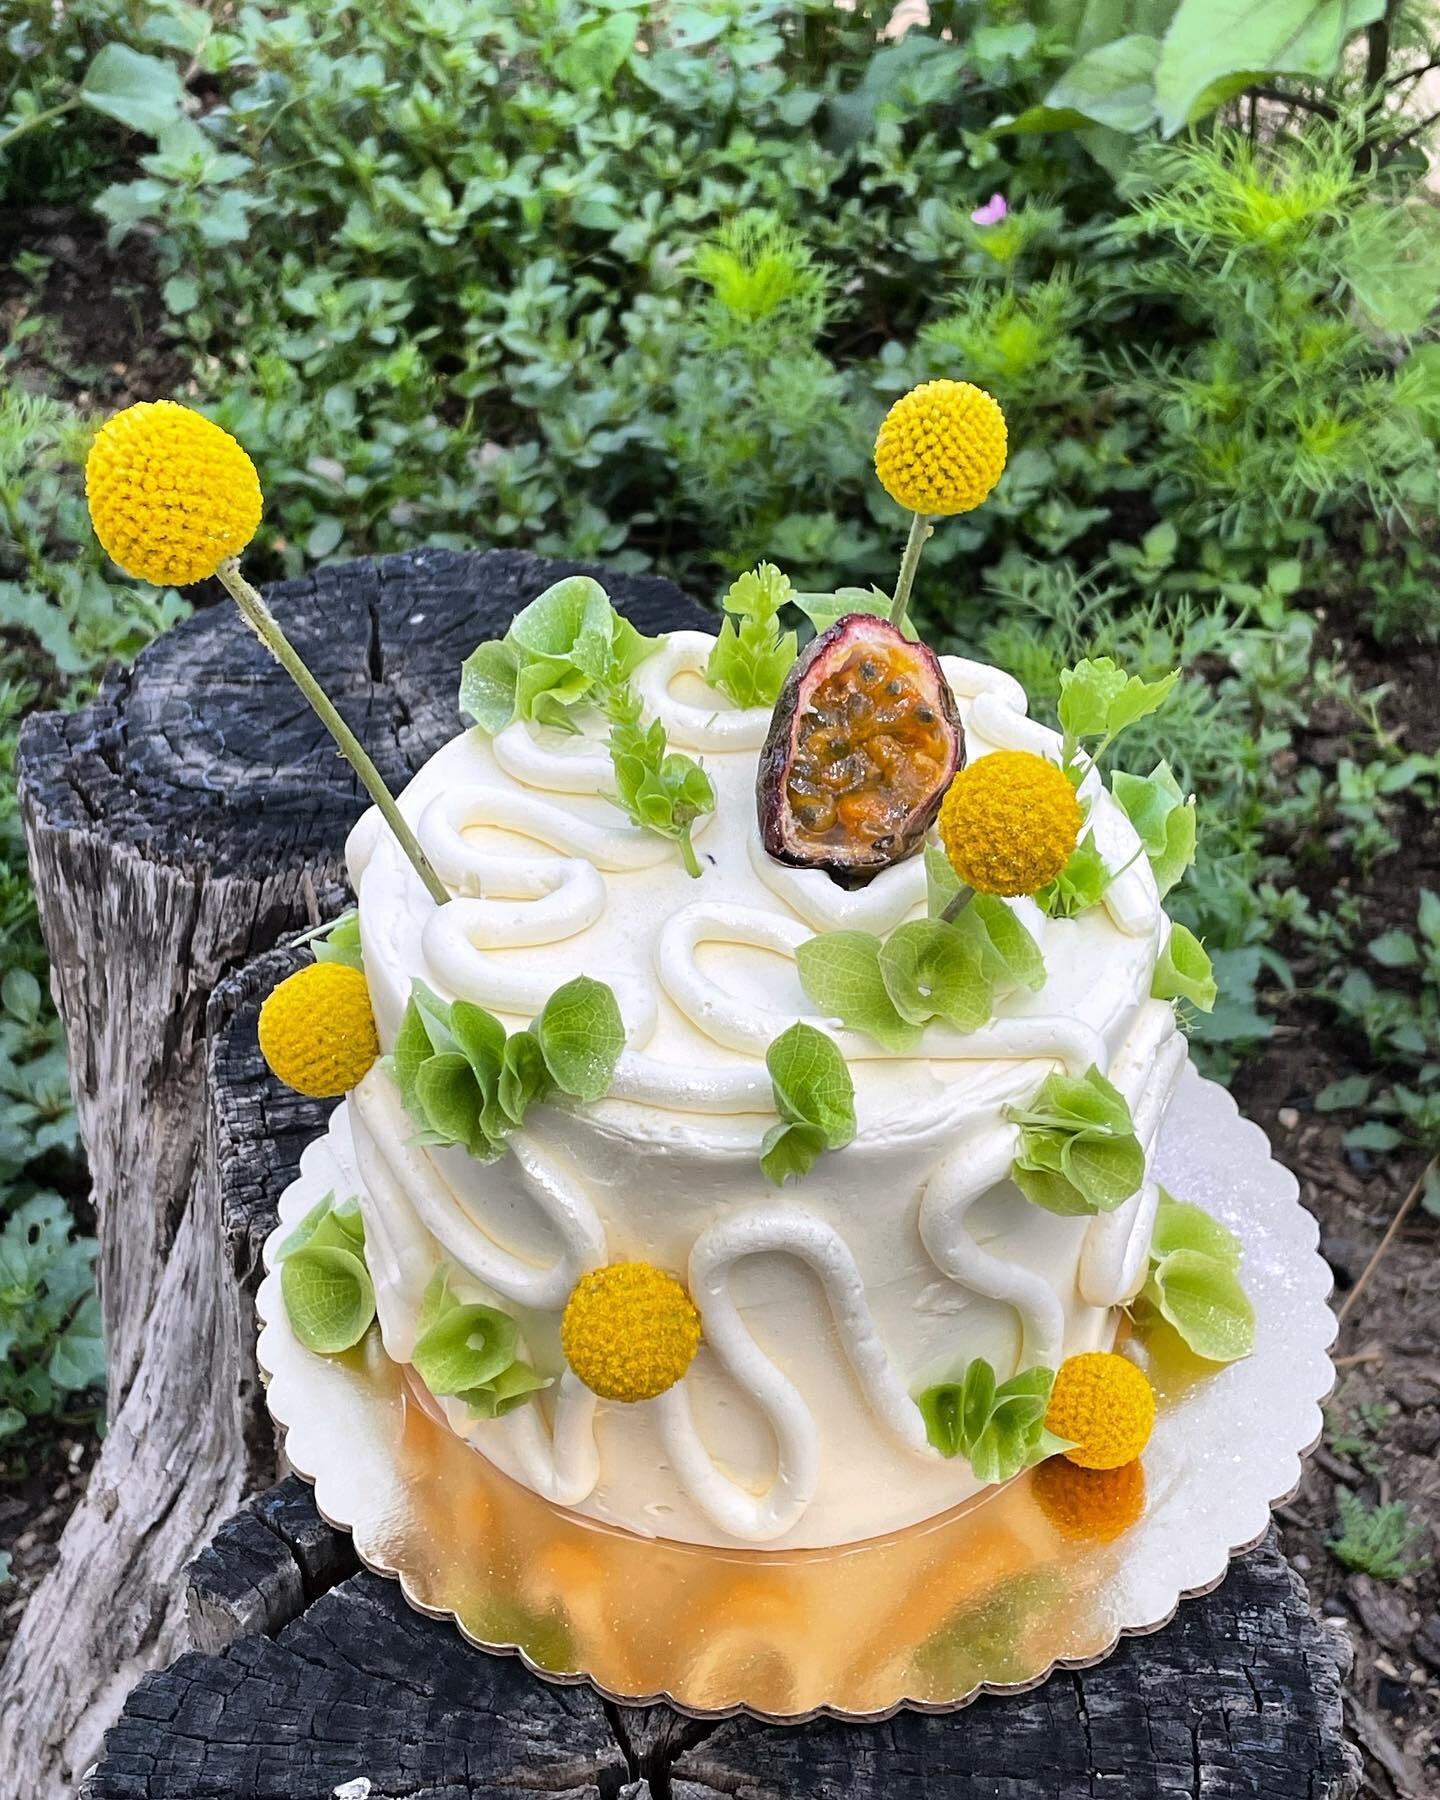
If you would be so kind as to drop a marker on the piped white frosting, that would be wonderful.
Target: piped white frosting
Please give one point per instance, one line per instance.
(825, 1305)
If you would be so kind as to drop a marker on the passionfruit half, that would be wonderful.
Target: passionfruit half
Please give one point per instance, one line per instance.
(864, 742)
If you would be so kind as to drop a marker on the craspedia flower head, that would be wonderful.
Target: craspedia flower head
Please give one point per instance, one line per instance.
(1104, 1405)
(1089, 1505)
(629, 1331)
(317, 1031)
(171, 495)
(1009, 822)
(941, 447)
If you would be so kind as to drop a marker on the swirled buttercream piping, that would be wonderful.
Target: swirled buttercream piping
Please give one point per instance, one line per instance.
(413, 1173)
(1117, 1245)
(969, 680)
(879, 907)
(789, 1231)
(565, 764)
(612, 847)
(746, 1025)
(652, 1081)
(564, 1465)
(969, 1172)
(399, 1253)
(718, 727)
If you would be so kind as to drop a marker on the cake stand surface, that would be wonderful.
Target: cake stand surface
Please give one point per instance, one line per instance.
(988, 1598)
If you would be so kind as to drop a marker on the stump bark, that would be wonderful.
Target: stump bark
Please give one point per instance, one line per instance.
(179, 825)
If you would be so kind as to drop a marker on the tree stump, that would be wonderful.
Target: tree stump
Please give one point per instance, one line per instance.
(330, 1685)
(179, 825)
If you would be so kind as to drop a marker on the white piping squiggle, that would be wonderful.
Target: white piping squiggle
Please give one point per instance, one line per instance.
(790, 1231)
(746, 1025)
(879, 906)
(561, 763)
(558, 1197)
(965, 1176)
(564, 1465)
(715, 728)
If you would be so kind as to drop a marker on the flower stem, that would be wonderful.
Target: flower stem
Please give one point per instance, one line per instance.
(920, 529)
(258, 616)
(688, 856)
(957, 905)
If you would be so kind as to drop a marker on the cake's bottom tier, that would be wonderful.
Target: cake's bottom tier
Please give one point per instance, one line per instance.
(825, 1310)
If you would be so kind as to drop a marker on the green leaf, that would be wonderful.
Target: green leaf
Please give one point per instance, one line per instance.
(581, 1034)
(463, 1348)
(488, 685)
(341, 942)
(942, 884)
(1080, 885)
(1202, 1298)
(1098, 699)
(1208, 40)
(1006, 949)
(1078, 1151)
(597, 53)
(1339, 1096)
(750, 661)
(931, 972)
(1106, 1170)
(1183, 970)
(840, 971)
(1038, 119)
(1113, 84)
(142, 92)
(21, 996)
(812, 1083)
(412, 1048)
(999, 1427)
(504, 1392)
(525, 1077)
(790, 1149)
(328, 1297)
(479, 1037)
(451, 1102)
(1163, 819)
(825, 610)
(1394, 950)
(1180, 1225)
(77, 1360)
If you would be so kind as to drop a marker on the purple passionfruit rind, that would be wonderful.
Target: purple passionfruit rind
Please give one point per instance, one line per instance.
(865, 740)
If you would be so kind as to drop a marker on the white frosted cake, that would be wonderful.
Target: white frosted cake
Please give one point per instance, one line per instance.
(828, 1304)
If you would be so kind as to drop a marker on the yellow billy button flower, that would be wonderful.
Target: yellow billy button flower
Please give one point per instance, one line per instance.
(317, 1031)
(1104, 1406)
(941, 447)
(1009, 822)
(629, 1331)
(1089, 1505)
(171, 495)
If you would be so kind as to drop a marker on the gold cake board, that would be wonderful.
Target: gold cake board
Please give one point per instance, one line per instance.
(988, 1598)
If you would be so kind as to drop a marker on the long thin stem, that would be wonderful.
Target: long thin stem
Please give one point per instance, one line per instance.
(920, 529)
(258, 616)
(41, 118)
(1402, 1213)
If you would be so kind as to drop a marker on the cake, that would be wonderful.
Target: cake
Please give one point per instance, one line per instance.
(824, 1304)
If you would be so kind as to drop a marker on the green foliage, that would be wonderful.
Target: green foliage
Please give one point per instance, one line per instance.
(468, 1351)
(1000, 1427)
(1194, 1282)
(929, 971)
(51, 1351)
(464, 1080)
(324, 1282)
(1078, 1150)
(752, 658)
(1378, 1540)
(815, 1098)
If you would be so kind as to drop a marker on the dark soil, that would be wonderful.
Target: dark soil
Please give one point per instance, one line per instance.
(97, 343)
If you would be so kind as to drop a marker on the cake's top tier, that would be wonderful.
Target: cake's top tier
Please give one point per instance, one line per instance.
(552, 881)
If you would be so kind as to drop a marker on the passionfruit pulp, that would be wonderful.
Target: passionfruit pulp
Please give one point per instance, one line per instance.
(864, 742)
